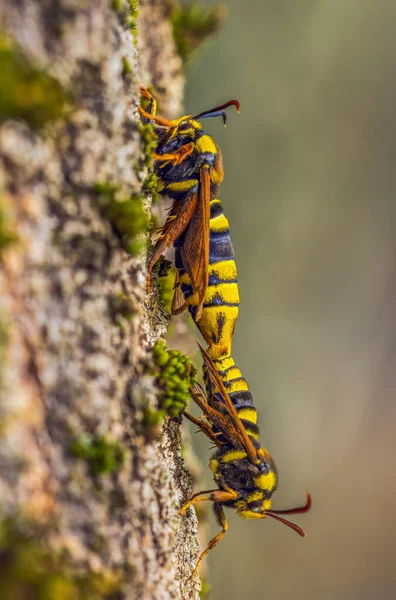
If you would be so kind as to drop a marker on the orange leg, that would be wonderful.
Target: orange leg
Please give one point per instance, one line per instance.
(157, 120)
(199, 497)
(221, 519)
(176, 157)
(218, 497)
(212, 495)
(153, 104)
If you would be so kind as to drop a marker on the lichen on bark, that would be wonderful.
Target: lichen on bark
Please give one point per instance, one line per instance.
(73, 356)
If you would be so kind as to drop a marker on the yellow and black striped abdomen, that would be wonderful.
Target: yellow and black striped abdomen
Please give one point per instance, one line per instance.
(240, 395)
(219, 314)
(221, 303)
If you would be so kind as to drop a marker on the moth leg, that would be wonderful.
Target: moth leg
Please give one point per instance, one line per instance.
(176, 157)
(152, 107)
(211, 495)
(151, 112)
(193, 419)
(157, 120)
(204, 427)
(222, 521)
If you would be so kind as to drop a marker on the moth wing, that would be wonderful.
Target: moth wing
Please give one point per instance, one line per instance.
(227, 405)
(215, 417)
(176, 223)
(195, 250)
(179, 304)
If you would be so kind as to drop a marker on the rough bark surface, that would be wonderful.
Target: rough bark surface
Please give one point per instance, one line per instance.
(72, 366)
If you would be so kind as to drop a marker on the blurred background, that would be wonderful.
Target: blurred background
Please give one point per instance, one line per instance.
(310, 194)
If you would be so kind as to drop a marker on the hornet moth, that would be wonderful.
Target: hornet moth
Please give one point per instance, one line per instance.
(189, 169)
(243, 470)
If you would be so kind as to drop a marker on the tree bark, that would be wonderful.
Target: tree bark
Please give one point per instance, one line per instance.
(75, 332)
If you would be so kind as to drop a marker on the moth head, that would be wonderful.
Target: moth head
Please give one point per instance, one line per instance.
(258, 505)
(185, 127)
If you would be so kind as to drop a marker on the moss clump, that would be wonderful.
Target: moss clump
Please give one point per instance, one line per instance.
(152, 418)
(149, 144)
(122, 308)
(117, 5)
(27, 92)
(126, 67)
(150, 186)
(101, 455)
(132, 18)
(127, 216)
(7, 233)
(29, 570)
(175, 374)
(205, 589)
(193, 23)
(166, 281)
(4, 336)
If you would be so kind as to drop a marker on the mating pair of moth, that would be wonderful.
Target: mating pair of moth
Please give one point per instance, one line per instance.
(188, 165)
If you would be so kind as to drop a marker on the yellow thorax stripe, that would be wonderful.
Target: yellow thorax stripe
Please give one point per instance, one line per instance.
(182, 186)
(266, 482)
(206, 144)
(233, 455)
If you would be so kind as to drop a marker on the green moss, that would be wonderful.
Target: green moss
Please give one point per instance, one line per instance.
(153, 417)
(149, 144)
(150, 186)
(175, 374)
(117, 5)
(4, 336)
(122, 308)
(127, 216)
(193, 23)
(132, 18)
(205, 589)
(27, 92)
(7, 233)
(126, 67)
(166, 281)
(101, 455)
(150, 141)
(29, 570)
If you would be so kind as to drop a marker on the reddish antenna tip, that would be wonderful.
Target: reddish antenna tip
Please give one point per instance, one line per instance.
(292, 511)
(218, 111)
(297, 510)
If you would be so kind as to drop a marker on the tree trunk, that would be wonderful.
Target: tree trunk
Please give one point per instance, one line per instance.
(89, 501)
